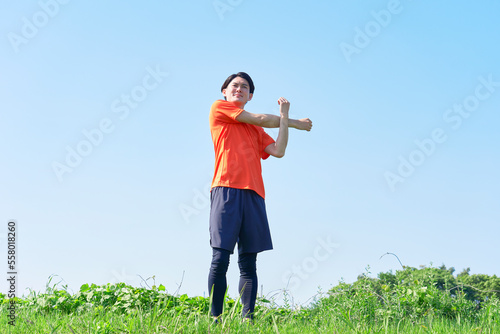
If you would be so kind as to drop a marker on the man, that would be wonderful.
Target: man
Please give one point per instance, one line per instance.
(237, 211)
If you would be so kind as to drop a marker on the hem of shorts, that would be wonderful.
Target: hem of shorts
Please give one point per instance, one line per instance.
(259, 251)
(232, 251)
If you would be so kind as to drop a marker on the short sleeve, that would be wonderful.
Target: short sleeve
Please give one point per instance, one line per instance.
(225, 111)
(266, 140)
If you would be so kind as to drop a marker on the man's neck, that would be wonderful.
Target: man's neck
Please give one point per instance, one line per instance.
(238, 104)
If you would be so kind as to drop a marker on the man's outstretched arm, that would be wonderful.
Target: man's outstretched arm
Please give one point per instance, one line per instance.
(273, 121)
(278, 148)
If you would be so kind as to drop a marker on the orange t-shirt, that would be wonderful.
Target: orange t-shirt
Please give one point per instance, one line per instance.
(238, 149)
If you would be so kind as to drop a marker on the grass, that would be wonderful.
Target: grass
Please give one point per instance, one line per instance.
(156, 320)
(427, 300)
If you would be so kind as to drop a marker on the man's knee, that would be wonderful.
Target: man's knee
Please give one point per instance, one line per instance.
(248, 264)
(220, 260)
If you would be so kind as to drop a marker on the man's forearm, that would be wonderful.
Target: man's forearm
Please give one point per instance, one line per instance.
(273, 121)
(282, 139)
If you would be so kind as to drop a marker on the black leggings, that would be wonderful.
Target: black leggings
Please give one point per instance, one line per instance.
(217, 283)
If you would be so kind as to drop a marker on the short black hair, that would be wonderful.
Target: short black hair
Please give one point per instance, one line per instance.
(241, 75)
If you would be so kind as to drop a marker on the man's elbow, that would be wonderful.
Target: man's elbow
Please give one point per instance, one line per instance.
(260, 120)
(279, 155)
(275, 151)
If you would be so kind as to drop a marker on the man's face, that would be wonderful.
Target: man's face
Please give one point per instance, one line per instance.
(238, 92)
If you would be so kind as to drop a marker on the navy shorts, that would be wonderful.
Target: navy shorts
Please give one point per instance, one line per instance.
(238, 215)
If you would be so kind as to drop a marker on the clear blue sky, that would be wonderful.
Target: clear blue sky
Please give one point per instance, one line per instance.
(403, 156)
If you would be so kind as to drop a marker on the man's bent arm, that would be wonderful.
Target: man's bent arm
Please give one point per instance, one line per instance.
(273, 121)
(278, 148)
